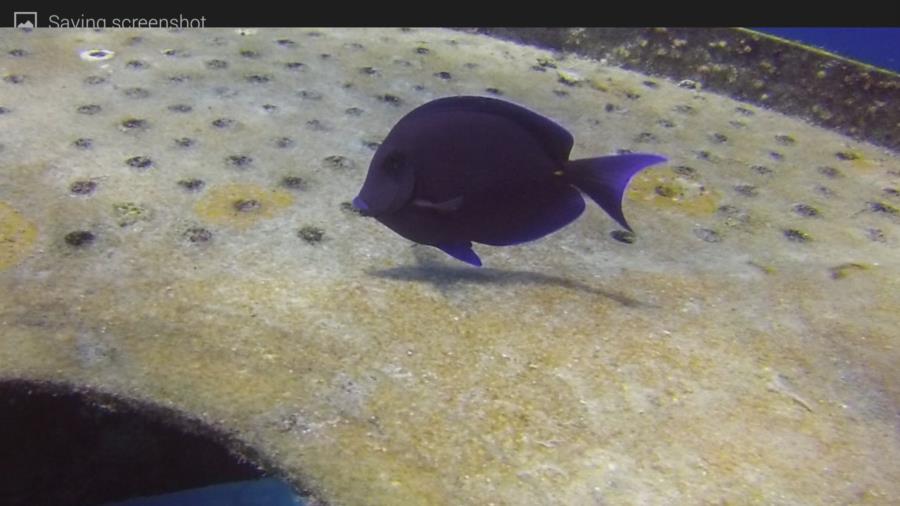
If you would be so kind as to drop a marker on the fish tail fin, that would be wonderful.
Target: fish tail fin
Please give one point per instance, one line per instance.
(604, 179)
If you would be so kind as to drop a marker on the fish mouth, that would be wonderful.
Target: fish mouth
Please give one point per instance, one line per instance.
(361, 206)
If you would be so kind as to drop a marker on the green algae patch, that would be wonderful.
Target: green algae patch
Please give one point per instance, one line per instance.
(658, 187)
(129, 213)
(17, 235)
(241, 205)
(844, 270)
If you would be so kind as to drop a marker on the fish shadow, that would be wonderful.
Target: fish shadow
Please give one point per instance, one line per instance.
(446, 277)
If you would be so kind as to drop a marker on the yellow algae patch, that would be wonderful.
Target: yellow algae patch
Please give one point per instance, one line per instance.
(598, 84)
(765, 269)
(16, 236)
(857, 160)
(241, 205)
(864, 164)
(661, 188)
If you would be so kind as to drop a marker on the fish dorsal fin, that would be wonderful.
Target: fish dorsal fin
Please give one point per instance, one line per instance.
(557, 141)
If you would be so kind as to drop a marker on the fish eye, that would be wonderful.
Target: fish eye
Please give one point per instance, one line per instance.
(394, 162)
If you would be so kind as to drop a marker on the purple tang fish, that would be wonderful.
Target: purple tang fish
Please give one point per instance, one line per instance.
(460, 170)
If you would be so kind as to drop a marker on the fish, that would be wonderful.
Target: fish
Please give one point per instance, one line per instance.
(466, 169)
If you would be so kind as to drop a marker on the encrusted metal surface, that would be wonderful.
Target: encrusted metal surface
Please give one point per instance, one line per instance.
(175, 229)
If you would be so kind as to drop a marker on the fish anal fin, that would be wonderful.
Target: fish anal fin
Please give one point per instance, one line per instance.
(461, 251)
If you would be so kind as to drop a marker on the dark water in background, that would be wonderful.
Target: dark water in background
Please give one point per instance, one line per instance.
(876, 46)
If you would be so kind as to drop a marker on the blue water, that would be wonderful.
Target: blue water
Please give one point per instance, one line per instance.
(876, 46)
(264, 492)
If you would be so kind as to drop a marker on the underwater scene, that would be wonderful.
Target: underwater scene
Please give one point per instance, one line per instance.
(422, 266)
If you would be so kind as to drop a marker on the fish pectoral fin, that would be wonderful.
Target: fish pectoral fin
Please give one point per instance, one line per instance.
(444, 207)
(461, 251)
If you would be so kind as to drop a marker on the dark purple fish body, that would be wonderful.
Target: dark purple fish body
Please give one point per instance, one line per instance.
(474, 169)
